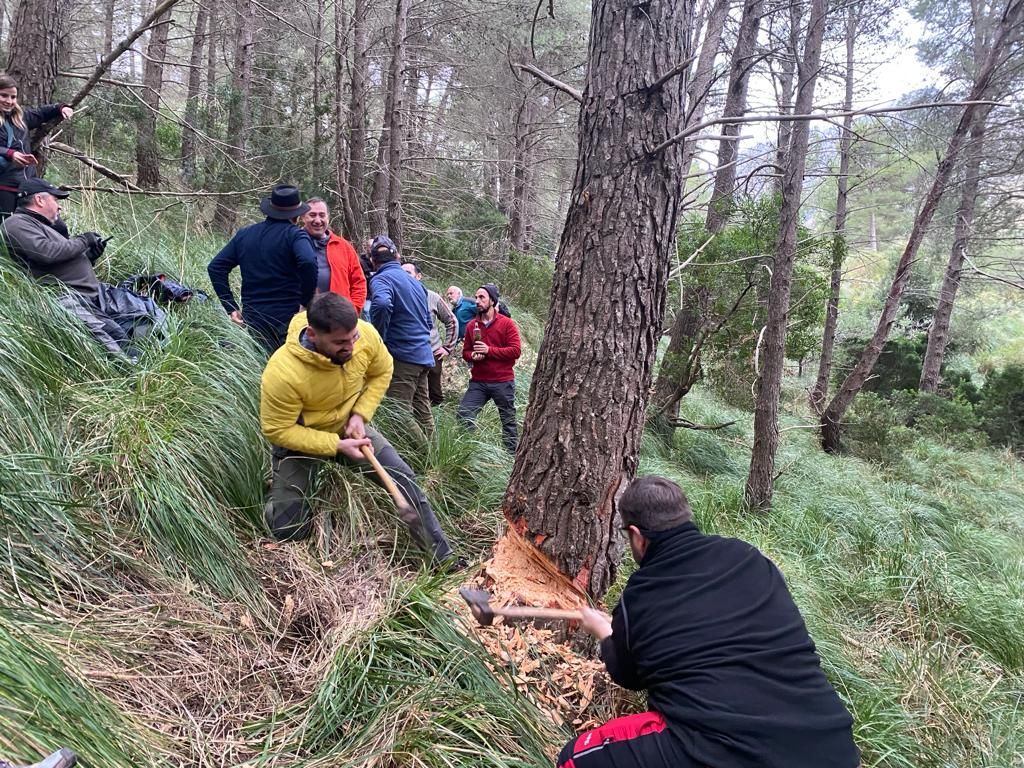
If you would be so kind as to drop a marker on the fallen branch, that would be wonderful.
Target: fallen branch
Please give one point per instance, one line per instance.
(554, 82)
(97, 166)
(687, 424)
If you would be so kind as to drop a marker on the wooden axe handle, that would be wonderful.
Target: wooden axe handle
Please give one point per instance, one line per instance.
(526, 612)
(384, 477)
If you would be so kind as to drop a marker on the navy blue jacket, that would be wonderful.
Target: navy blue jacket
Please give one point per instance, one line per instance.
(401, 315)
(14, 139)
(707, 626)
(278, 272)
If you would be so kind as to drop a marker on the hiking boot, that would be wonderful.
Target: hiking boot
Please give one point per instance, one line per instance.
(453, 564)
(62, 758)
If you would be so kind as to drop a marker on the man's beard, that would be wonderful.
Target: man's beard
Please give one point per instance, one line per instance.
(341, 358)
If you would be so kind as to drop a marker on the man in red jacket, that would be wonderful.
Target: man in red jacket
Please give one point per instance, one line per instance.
(491, 347)
(338, 267)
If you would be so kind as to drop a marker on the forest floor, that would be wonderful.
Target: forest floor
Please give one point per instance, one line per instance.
(145, 618)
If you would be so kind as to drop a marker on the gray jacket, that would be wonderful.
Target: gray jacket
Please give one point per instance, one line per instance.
(439, 309)
(49, 255)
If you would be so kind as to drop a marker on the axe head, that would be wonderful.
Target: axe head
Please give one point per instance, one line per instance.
(479, 602)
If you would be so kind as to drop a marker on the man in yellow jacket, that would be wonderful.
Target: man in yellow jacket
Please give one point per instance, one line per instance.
(318, 394)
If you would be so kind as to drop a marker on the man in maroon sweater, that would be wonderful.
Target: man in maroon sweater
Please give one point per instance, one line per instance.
(491, 347)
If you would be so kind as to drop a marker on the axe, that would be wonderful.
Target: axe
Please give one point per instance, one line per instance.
(483, 612)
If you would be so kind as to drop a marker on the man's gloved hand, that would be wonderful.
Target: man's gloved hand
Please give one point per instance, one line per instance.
(96, 245)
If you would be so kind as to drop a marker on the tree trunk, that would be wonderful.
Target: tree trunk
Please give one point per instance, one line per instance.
(195, 72)
(938, 332)
(786, 83)
(828, 336)
(761, 480)
(837, 407)
(341, 158)
(226, 214)
(680, 365)
(34, 51)
(872, 233)
(357, 127)
(520, 189)
(390, 149)
(720, 205)
(147, 153)
(108, 26)
(588, 398)
(700, 86)
(316, 172)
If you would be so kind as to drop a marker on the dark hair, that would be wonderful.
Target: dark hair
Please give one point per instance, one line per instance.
(652, 503)
(331, 312)
(415, 267)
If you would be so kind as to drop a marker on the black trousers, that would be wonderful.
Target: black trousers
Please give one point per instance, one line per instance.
(634, 741)
(504, 396)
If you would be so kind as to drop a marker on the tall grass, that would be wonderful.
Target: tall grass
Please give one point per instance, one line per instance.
(146, 620)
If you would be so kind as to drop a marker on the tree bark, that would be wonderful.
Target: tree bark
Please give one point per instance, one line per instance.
(680, 365)
(147, 153)
(34, 55)
(317, 97)
(700, 85)
(786, 83)
(108, 26)
(828, 336)
(720, 205)
(341, 158)
(938, 331)
(518, 215)
(389, 152)
(761, 479)
(837, 407)
(357, 127)
(588, 398)
(195, 73)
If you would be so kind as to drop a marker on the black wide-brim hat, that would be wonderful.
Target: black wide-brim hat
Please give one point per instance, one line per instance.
(285, 203)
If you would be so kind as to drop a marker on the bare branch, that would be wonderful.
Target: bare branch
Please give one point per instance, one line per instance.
(121, 48)
(544, 77)
(678, 69)
(152, 193)
(1003, 280)
(688, 132)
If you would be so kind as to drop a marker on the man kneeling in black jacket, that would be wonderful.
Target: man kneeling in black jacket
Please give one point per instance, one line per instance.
(707, 626)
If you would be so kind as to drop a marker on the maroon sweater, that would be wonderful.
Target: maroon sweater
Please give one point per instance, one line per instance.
(502, 337)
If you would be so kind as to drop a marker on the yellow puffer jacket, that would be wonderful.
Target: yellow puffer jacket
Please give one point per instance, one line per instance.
(299, 384)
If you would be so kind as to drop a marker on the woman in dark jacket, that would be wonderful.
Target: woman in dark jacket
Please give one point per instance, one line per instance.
(17, 162)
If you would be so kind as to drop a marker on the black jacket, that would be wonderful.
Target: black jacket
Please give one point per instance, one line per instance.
(707, 626)
(14, 139)
(278, 266)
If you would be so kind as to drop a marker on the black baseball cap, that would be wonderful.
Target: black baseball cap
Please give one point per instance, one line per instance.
(35, 185)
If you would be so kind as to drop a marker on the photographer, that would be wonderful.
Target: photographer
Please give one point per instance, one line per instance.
(51, 257)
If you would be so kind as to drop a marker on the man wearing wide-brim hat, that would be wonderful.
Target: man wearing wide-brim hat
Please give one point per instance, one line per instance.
(278, 266)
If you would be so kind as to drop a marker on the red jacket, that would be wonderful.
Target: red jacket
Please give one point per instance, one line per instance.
(502, 336)
(347, 276)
